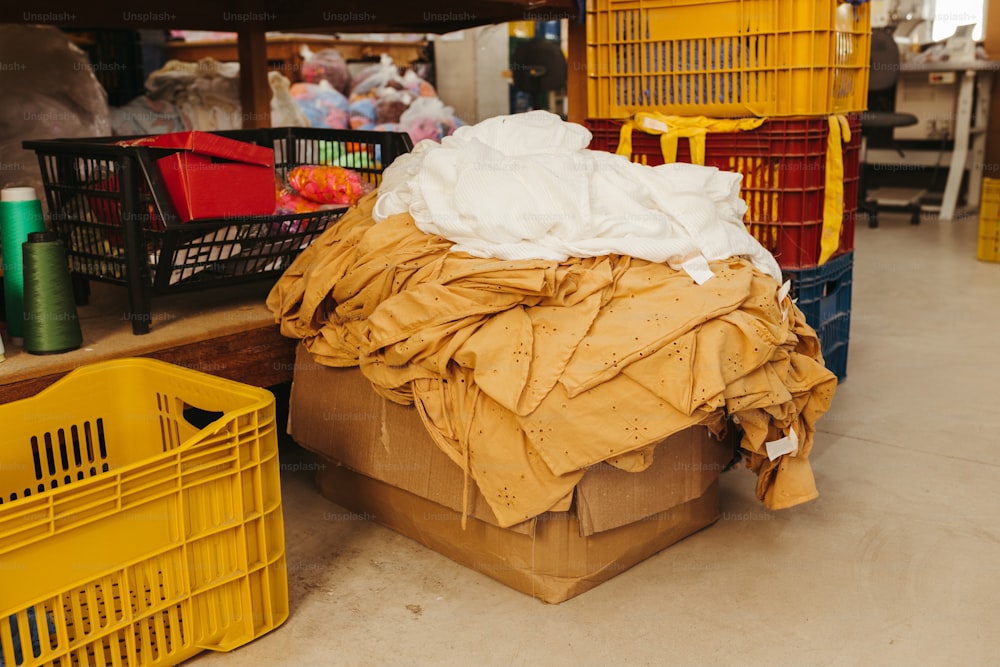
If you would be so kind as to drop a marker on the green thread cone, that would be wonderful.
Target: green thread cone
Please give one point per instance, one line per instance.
(50, 322)
(20, 215)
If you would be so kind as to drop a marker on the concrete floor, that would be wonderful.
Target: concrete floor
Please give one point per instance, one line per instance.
(897, 562)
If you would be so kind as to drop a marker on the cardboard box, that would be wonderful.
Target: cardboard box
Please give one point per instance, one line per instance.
(381, 462)
(213, 177)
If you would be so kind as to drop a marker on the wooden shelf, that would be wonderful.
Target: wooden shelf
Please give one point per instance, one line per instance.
(284, 52)
(345, 16)
(252, 19)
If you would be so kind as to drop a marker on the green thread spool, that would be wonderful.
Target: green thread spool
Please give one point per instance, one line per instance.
(20, 215)
(50, 322)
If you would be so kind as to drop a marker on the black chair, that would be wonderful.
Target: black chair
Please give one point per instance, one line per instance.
(879, 121)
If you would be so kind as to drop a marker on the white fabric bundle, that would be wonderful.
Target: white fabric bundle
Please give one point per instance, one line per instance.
(525, 186)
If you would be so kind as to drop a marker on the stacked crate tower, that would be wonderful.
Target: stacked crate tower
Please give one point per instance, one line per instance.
(767, 88)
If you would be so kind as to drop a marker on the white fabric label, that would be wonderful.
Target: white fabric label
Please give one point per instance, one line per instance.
(787, 445)
(653, 124)
(698, 269)
(782, 293)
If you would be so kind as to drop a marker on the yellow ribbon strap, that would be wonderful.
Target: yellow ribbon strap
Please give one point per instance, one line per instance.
(673, 128)
(625, 139)
(833, 203)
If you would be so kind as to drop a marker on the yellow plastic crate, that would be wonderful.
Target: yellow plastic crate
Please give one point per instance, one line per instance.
(140, 518)
(727, 58)
(989, 221)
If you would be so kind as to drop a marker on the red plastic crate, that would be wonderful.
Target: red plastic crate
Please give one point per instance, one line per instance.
(783, 163)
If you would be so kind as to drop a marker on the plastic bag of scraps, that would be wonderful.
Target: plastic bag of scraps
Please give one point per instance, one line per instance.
(390, 104)
(325, 65)
(429, 118)
(383, 74)
(323, 105)
(310, 188)
(362, 113)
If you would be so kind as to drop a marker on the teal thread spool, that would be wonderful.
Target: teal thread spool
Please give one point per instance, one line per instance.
(51, 325)
(20, 215)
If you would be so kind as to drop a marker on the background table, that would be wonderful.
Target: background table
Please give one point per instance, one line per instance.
(971, 93)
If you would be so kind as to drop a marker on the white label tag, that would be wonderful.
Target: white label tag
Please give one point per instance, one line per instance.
(784, 290)
(698, 269)
(782, 293)
(653, 124)
(787, 445)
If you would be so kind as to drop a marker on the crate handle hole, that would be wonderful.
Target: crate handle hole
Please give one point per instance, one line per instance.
(198, 417)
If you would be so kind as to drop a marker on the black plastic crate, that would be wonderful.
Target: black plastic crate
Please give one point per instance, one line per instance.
(119, 225)
(823, 294)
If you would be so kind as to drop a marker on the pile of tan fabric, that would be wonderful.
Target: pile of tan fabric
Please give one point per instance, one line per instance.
(528, 371)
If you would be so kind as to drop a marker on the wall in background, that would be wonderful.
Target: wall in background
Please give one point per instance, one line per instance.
(470, 68)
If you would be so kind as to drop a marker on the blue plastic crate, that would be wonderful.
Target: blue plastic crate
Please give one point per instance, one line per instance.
(823, 294)
(834, 337)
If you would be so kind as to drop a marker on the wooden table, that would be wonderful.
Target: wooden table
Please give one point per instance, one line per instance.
(226, 331)
(971, 93)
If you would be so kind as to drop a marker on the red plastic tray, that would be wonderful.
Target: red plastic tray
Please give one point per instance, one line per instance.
(783, 163)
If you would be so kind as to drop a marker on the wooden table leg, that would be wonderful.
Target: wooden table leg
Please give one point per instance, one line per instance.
(255, 92)
(576, 80)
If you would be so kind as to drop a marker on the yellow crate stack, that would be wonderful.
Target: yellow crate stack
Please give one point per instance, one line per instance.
(989, 221)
